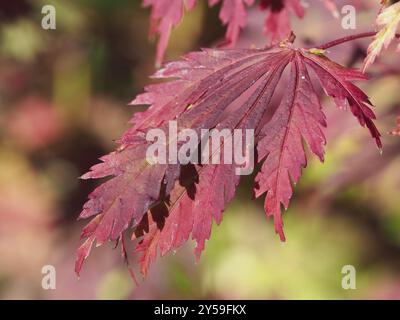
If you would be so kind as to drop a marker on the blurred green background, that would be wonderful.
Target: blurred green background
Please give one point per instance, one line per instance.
(63, 103)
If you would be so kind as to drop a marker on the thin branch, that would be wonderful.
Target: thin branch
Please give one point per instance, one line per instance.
(349, 38)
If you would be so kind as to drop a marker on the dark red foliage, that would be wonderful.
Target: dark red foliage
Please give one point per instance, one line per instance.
(167, 14)
(163, 205)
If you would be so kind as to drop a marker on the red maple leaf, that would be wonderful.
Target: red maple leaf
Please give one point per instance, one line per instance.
(233, 13)
(165, 15)
(222, 89)
(277, 23)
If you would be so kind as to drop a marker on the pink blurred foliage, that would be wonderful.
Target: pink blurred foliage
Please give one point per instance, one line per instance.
(34, 123)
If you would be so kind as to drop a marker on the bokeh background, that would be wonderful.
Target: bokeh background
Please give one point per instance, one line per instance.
(63, 102)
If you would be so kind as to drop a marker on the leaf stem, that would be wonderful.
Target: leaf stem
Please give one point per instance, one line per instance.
(349, 38)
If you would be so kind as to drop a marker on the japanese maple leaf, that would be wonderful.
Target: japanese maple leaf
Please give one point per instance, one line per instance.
(165, 15)
(190, 209)
(298, 117)
(233, 13)
(163, 205)
(277, 23)
(388, 20)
